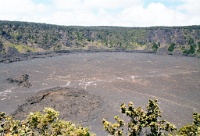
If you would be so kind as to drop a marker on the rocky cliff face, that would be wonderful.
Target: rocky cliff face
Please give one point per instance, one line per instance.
(34, 37)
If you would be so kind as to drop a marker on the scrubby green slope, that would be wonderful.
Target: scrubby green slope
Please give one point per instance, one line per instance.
(36, 37)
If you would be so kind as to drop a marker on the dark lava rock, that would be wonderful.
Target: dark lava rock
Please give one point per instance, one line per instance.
(12, 51)
(73, 105)
(1, 47)
(22, 80)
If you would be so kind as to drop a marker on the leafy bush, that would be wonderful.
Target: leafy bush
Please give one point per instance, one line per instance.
(37, 123)
(147, 123)
(191, 50)
(155, 46)
(171, 47)
(191, 129)
(141, 122)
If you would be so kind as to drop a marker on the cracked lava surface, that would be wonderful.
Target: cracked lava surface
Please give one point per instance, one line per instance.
(113, 78)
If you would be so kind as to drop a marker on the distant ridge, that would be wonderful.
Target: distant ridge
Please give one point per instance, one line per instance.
(25, 37)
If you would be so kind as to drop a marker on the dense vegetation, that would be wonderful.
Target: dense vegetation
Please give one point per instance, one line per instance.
(145, 123)
(36, 37)
(37, 123)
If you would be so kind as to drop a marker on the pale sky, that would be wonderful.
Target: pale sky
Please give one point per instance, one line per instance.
(131, 13)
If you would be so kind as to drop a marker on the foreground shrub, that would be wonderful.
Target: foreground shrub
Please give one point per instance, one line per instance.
(191, 129)
(37, 123)
(141, 122)
(147, 123)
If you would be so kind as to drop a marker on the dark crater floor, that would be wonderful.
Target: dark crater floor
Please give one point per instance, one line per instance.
(92, 86)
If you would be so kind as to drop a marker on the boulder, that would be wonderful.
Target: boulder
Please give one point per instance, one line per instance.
(22, 80)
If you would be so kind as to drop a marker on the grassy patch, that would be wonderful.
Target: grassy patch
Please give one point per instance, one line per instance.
(21, 48)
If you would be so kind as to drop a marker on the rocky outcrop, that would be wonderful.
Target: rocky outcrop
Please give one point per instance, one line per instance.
(22, 80)
(73, 104)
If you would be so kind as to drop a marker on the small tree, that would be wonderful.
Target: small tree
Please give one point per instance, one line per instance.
(192, 49)
(171, 47)
(155, 46)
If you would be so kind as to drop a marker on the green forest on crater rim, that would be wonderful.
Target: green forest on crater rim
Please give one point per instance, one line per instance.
(36, 37)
